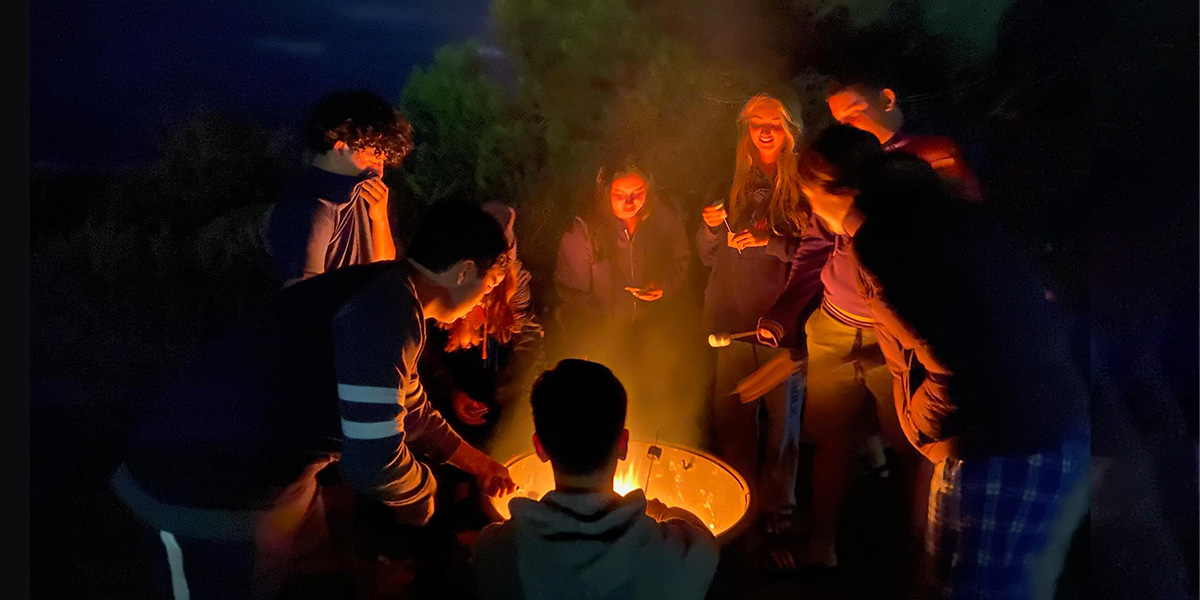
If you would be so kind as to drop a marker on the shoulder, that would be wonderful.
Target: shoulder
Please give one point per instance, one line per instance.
(385, 296)
(497, 539)
(576, 234)
(686, 542)
(690, 549)
(939, 151)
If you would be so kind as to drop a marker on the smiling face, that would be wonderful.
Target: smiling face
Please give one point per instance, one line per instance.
(628, 195)
(766, 130)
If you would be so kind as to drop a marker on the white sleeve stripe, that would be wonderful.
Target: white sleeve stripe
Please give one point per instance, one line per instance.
(368, 394)
(179, 584)
(369, 431)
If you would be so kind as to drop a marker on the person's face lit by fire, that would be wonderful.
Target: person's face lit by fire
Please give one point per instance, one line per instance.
(470, 333)
(352, 161)
(369, 159)
(767, 131)
(628, 196)
(877, 114)
(467, 286)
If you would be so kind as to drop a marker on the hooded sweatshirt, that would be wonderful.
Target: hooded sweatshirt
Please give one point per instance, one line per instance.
(593, 546)
(593, 286)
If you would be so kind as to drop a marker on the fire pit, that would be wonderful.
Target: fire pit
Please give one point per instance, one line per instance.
(677, 475)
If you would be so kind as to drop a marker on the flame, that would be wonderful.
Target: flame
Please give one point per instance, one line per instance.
(625, 480)
(681, 477)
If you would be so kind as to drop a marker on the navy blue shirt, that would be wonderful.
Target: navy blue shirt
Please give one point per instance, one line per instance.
(328, 372)
(321, 223)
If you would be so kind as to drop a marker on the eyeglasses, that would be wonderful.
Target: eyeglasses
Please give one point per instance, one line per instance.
(503, 262)
(374, 151)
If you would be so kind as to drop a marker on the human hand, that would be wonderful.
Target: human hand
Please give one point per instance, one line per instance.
(655, 508)
(714, 215)
(375, 192)
(767, 337)
(492, 476)
(746, 239)
(469, 410)
(659, 511)
(649, 293)
(494, 479)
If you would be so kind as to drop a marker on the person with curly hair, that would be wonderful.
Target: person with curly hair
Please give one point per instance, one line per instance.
(336, 213)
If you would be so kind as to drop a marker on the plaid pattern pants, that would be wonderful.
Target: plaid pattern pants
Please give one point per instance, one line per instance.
(999, 527)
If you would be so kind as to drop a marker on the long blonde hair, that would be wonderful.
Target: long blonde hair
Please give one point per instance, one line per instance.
(786, 197)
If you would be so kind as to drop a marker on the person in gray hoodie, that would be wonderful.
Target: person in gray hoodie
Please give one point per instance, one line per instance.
(582, 539)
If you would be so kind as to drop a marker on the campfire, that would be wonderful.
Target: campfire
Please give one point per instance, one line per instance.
(677, 475)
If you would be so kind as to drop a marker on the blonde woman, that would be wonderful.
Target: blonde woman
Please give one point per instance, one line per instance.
(749, 258)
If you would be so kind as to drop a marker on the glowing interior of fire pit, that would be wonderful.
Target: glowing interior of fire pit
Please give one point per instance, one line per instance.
(690, 479)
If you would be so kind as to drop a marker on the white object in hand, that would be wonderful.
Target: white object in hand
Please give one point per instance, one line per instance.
(720, 340)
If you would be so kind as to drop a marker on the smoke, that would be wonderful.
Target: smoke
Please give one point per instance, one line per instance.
(671, 101)
(664, 363)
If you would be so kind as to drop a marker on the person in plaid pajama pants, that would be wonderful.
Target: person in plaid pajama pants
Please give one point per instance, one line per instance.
(999, 527)
(984, 384)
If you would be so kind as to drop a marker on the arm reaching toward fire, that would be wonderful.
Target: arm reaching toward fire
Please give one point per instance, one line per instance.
(655, 509)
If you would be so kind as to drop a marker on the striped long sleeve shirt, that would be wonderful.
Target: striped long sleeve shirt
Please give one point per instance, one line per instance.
(327, 373)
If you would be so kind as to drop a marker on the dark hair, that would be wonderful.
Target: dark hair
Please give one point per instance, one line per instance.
(612, 168)
(578, 413)
(834, 160)
(601, 215)
(900, 186)
(866, 85)
(847, 148)
(455, 230)
(361, 119)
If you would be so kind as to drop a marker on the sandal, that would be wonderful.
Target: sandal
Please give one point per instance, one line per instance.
(783, 558)
(779, 523)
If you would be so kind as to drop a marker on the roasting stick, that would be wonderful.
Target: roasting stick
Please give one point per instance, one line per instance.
(654, 453)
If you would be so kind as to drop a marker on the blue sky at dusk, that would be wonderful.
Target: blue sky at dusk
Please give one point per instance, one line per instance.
(105, 76)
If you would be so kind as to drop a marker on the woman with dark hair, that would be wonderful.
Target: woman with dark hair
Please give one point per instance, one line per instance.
(621, 268)
(984, 384)
(619, 264)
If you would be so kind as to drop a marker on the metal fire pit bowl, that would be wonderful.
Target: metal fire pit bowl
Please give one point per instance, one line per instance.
(676, 475)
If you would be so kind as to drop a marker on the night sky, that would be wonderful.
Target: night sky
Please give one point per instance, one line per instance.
(105, 76)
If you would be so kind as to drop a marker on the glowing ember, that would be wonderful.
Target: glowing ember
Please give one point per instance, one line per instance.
(678, 476)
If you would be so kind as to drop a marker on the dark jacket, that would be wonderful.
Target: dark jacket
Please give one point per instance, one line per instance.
(943, 155)
(743, 285)
(592, 286)
(810, 278)
(328, 373)
(980, 357)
